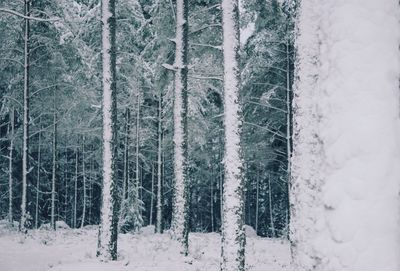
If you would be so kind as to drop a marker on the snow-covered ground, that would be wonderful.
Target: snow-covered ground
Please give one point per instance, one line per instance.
(75, 250)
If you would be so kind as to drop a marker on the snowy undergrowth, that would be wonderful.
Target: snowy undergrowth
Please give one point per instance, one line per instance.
(67, 250)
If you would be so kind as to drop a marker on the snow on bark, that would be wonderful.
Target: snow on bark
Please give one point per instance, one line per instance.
(107, 243)
(345, 171)
(180, 211)
(233, 236)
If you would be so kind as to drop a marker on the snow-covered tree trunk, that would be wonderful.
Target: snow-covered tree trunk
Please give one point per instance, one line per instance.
(159, 167)
(53, 179)
(10, 169)
(25, 144)
(108, 231)
(180, 212)
(233, 236)
(345, 170)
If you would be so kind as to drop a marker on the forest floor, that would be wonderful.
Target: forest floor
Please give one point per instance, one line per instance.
(75, 250)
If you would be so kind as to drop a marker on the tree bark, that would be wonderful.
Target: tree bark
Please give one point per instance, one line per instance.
(108, 232)
(10, 169)
(53, 181)
(84, 183)
(180, 223)
(159, 167)
(38, 178)
(233, 236)
(75, 189)
(25, 147)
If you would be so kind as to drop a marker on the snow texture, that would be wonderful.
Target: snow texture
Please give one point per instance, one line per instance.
(345, 184)
(74, 250)
(233, 236)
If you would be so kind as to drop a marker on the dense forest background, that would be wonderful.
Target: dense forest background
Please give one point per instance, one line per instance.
(65, 111)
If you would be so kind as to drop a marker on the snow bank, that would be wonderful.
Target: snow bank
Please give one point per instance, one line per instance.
(74, 250)
(346, 185)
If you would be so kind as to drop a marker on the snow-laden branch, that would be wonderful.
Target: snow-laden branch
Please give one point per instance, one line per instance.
(27, 17)
(206, 77)
(217, 47)
(169, 67)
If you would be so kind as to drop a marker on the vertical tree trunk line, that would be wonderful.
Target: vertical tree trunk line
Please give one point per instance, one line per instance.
(233, 236)
(108, 231)
(10, 169)
(53, 181)
(159, 166)
(180, 223)
(75, 189)
(25, 147)
(84, 183)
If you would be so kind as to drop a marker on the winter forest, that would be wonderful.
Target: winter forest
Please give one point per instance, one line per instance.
(199, 135)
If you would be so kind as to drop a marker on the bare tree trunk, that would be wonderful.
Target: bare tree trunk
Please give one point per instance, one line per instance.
(137, 186)
(38, 178)
(53, 182)
(159, 167)
(288, 131)
(65, 181)
(10, 169)
(257, 197)
(212, 200)
(108, 231)
(152, 195)
(271, 214)
(233, 235)
(75, 189)
(126, 155)
(25, 147)
(84, 184)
